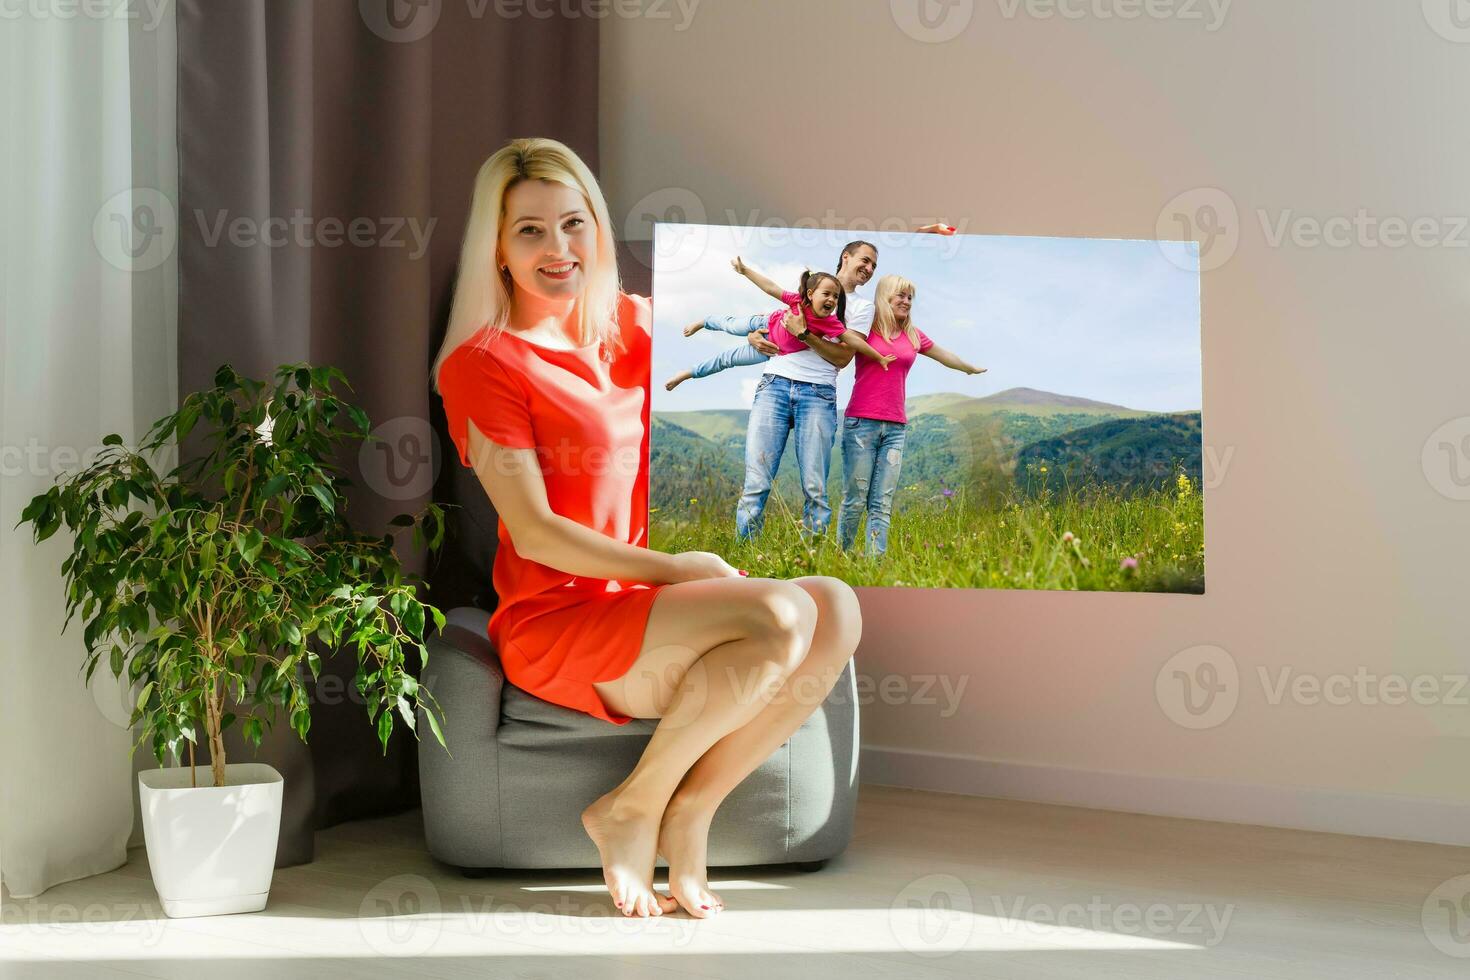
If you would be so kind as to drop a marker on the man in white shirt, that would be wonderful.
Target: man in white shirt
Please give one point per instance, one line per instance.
(799, 392)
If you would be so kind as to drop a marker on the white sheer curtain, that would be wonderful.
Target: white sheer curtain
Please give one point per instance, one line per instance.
(88, 299)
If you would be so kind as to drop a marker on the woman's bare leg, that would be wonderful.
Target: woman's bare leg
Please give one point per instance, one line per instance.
(715, 652)
(684, 831)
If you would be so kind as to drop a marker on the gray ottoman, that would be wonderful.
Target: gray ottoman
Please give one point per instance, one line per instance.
(518, 772)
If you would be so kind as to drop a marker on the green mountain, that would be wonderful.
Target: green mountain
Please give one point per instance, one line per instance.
(982, 445)
(1017, 401)
(1132, 455)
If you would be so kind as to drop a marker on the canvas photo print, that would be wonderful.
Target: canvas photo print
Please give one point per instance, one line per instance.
(929, 411)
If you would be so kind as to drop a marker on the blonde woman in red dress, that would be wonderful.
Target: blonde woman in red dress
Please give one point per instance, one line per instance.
(544, 375)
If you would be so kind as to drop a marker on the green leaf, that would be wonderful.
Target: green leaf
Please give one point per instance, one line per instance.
(385, 729)
(143, 696)
(249, 545)
(324, 497)
(434, 726)
(406, 710)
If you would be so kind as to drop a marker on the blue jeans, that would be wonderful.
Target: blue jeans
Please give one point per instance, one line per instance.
(780, 406)
(872, 455)
(741, 355)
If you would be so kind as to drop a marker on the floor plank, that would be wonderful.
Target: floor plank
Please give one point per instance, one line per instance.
(933, 886)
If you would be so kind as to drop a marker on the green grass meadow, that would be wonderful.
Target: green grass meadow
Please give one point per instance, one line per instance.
(1096, 539)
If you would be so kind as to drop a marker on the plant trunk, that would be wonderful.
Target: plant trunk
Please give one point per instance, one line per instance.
(212, 720)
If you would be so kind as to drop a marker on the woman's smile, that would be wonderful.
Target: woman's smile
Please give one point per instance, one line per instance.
(559, 271)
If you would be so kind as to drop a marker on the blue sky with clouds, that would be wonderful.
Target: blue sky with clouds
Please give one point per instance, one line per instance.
(1111, 320)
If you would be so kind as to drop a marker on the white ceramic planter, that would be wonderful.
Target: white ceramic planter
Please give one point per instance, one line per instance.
(211, 849)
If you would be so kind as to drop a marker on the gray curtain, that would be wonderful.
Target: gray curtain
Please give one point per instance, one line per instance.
(326, 156)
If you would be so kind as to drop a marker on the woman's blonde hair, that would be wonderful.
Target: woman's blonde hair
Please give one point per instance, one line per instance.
(883, 317)
(482, 294)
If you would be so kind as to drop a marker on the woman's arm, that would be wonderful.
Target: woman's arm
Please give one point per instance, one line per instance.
(952, 360)
(512, 478)
(767, 285)
(860, 344)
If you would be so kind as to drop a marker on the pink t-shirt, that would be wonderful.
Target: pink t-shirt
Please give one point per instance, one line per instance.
(827, 326)
(879, 394)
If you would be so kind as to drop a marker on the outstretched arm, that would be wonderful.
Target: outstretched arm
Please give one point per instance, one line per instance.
(860, 344)
(766, 285)
(952, 360)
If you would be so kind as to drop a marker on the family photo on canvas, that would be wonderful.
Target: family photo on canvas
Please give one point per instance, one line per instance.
(984, 412)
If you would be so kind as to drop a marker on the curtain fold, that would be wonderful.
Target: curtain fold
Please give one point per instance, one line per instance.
(87, 347)
(327, 154)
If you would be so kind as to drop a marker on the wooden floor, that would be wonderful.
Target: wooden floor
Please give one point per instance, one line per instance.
(933, 885)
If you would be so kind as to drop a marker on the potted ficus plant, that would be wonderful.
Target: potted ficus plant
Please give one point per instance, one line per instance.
(210, 589)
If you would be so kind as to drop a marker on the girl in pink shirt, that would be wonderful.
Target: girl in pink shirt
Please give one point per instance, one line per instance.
(822, 303)
(875, 422)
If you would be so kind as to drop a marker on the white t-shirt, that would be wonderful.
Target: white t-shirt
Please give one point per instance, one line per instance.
(808, 365)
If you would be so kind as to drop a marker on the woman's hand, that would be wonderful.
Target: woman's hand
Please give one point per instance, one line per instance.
(761, 341)
(737, 265)
(976, 370)
(936, 229)
(689, 566)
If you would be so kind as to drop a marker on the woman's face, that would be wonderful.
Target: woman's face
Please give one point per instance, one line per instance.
(901, 303)
(824, 298)
(548, 239)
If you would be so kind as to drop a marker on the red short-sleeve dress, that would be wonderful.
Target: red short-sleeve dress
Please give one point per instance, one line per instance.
(587, 418)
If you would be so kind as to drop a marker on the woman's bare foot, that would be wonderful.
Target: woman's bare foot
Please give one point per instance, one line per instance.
(683, 837)
(677, 380)
(694, 328)
(627, 843)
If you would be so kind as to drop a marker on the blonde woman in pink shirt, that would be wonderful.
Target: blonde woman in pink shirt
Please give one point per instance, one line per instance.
(875, 423)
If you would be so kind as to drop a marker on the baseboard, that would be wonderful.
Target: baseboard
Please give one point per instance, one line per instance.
(1329, 811)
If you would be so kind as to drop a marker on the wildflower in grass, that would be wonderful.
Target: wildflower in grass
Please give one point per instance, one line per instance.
(1129, 564)
(1068, 537)
(694, 500)
(1184, 486)
(653, 510)
(1043, 469)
